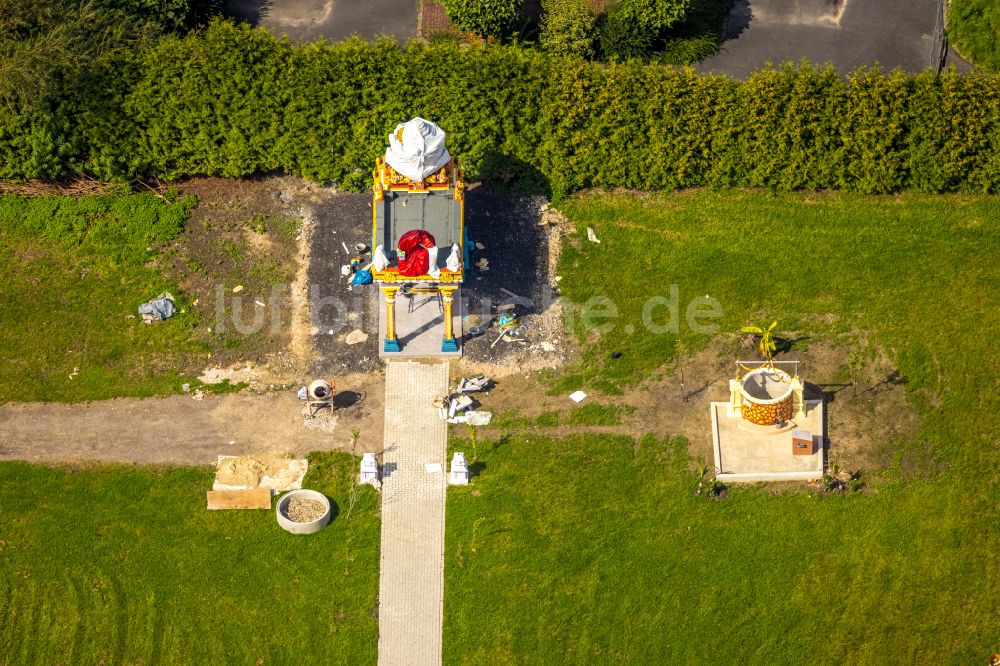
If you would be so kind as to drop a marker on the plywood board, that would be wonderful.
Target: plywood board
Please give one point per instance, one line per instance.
(258, 498)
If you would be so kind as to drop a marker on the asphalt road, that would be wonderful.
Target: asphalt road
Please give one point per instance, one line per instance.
(847, 33)
(306, 20)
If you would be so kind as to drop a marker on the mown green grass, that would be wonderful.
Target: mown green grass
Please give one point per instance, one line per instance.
(74, 271)
(974, 27)
(593, 549)
(121, 565)
(917, 274)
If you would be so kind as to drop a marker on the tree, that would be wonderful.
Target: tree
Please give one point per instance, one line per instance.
(765, 343)
(484, 17)
(568, 27)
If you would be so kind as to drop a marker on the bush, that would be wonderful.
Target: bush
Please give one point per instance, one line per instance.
(974, 27)
(166, 13)
(568, 27)
(686, 50)
(483, 17)
(235, 101)
(623, 39)
(651, 15)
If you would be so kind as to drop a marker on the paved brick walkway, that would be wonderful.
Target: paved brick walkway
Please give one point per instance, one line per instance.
(411, 586)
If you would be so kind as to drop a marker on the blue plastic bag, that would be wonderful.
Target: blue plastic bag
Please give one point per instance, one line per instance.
(362, 277)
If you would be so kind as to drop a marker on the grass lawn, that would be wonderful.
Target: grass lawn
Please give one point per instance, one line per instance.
(974, 27)
(76, 269)
(121, 565)
(593, 549)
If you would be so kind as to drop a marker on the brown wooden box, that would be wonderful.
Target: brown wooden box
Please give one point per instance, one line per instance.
(802, 443)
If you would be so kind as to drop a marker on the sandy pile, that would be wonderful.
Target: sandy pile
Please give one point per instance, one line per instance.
(248, 470)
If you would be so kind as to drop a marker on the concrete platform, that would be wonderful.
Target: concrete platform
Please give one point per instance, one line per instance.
(420, 332)
(745, 452)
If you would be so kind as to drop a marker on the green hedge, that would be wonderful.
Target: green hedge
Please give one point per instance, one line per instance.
(234, 101)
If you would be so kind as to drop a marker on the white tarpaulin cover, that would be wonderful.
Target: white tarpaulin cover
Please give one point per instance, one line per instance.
(421, 150)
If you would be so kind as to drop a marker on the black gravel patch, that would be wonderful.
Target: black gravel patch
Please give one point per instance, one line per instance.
(507, 225)
(335, 309)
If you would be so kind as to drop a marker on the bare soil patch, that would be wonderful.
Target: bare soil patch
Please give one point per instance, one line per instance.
(180, 430)
(864, 421)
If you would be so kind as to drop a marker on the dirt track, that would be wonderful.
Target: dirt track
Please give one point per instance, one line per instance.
(180, 430)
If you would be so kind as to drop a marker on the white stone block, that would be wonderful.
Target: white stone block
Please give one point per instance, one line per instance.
(369, 470)
(459, 475)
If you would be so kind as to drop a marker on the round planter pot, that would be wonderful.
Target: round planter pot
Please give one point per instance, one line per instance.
(290, 525)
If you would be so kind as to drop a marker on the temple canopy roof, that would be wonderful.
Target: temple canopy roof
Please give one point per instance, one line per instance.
(429, 198)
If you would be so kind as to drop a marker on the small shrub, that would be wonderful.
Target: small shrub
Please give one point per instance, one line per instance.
(623, 39)
(688, 50)
(651, 16)
(568, 27)
(711, 489)
(484, 17)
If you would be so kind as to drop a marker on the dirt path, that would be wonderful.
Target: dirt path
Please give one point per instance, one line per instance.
(180, 430)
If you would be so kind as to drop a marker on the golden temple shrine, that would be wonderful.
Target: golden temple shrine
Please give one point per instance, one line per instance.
(418, 228)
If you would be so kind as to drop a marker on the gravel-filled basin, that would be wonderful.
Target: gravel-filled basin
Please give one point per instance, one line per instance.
(303, 511)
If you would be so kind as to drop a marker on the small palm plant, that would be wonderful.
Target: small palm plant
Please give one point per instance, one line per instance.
(765, 345)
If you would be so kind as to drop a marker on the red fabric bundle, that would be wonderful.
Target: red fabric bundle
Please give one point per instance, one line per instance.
(414, 244)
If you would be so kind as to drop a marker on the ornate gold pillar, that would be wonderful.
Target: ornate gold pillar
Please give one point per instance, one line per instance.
(448, 342)
(735, 398)
(391, 343)
(798, 403)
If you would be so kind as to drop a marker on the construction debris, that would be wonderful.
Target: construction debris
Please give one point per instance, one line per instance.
(472, 417)
(473, 384)
(356, 337)
(160, 308)
(458, 407)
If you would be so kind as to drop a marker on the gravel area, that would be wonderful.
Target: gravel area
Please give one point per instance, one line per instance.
(303, 510)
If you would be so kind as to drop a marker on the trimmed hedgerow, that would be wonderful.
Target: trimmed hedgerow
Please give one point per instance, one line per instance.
(235, 101)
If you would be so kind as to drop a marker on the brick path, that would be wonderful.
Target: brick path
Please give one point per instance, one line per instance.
(411, 585)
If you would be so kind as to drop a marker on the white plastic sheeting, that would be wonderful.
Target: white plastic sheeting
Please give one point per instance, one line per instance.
(379, 260)
(432, 262)
(454, 261)
(416, 149)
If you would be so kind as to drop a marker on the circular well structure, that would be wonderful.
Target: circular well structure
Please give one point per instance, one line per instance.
(310, 527)
(767, 396)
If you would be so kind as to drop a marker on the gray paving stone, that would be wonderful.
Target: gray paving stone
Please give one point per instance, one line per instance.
(411, 585)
